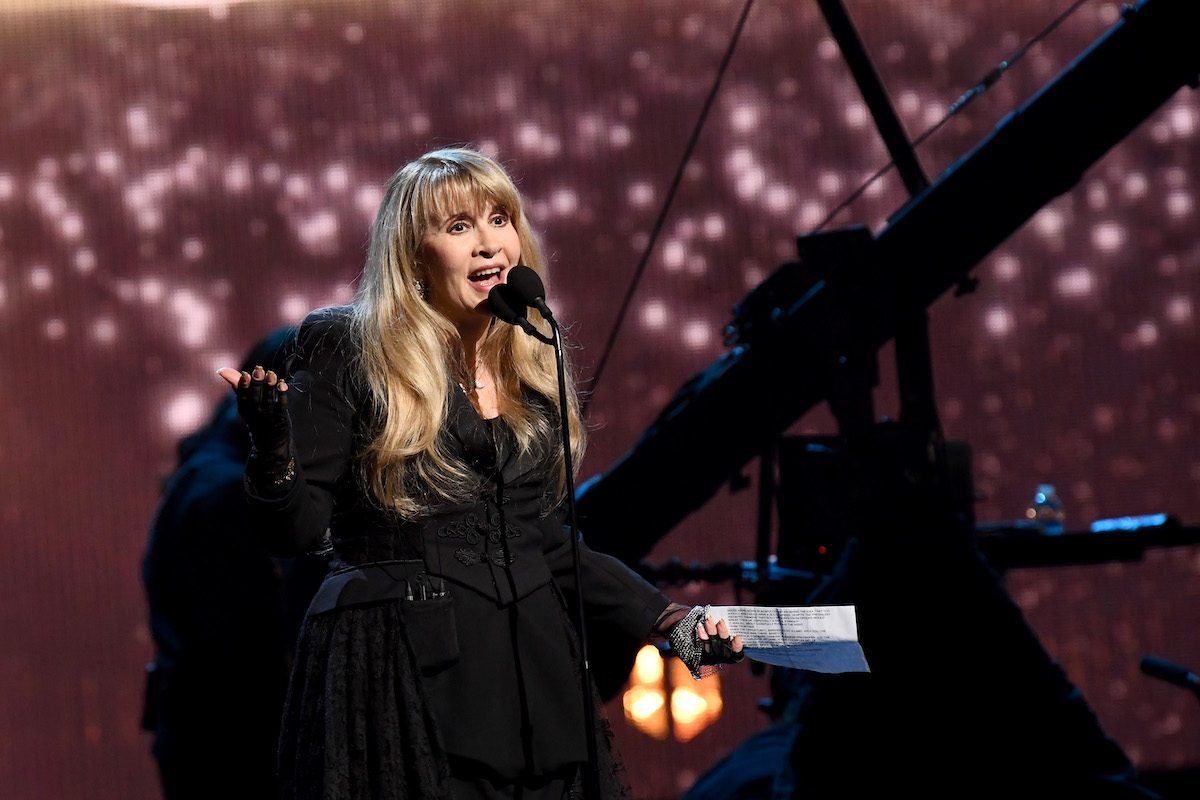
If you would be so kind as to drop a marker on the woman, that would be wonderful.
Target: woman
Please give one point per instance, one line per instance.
(438, 659)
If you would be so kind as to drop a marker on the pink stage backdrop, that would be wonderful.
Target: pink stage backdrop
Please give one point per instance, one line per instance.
(176, 179)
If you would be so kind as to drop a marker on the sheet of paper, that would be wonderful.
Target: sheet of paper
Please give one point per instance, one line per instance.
(817, 638)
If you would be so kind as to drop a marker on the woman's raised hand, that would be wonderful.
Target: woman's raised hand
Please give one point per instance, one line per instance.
(262, 404)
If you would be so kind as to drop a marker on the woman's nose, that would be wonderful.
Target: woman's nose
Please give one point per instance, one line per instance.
(487, 242)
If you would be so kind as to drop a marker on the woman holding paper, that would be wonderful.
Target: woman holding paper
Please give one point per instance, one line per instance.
(417, 440)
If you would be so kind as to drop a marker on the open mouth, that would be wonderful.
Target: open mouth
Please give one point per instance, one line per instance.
(486, 278)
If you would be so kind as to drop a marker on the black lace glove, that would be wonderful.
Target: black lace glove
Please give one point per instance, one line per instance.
(262, 403)
(698, 652)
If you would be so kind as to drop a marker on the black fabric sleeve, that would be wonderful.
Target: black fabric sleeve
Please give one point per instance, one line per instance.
(323, 407)
(613, 594)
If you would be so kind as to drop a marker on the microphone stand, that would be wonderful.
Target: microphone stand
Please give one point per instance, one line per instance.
(591, 780)
(502, 306)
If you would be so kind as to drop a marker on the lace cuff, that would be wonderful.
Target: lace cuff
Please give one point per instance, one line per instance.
(270, 477)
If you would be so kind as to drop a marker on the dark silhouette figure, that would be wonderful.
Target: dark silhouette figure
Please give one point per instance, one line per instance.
(223, 614)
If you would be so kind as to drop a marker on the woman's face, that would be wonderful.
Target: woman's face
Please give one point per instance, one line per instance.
(464, 256)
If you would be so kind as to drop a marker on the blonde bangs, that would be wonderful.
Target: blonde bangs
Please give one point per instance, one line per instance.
(448, 189)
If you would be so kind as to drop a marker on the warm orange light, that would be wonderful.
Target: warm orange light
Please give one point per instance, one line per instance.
(694, 704)
(687, 706)
(645, 700)
(641, 703)
(648, 667)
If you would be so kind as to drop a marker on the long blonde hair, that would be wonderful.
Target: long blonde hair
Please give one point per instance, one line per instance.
(412, 355)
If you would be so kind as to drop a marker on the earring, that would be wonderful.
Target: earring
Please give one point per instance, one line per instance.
(421, 288)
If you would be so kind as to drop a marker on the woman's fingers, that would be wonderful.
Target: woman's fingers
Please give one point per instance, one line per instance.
(232, 376)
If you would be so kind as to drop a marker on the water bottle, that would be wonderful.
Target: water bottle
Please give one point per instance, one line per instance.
(1046, 511)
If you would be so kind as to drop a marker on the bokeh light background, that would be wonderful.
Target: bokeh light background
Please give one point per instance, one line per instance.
(176, 179)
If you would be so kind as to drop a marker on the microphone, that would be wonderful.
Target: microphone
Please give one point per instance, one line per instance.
(1164, 670)
(529, 287)
(510, 308)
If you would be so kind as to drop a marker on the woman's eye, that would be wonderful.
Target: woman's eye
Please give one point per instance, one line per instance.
(457, 227)
(499, 220)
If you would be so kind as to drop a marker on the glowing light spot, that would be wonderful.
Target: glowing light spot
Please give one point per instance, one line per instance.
(421, 123)
(642, 703)
(655, 315)
(648, 666)
(367, 200)
(149, 220)
(55, 329)
(293, 307)
(140, 126)
(353, 33)
(237, 177)
(687, 706)
(1135, 186)
(337, 178)
(998, 322)
(318, 233)
(103, 330)
(270, 174)
(779, 198)
(856, 115)
(195, 317)
(829, 182)
(1049, 223)
(1097, 196)
(297, 186)
(673, 255)
(714, 227)
(1145, 334)
(184, 412)
(1182, 120)
(564, 202)
(193, 249)
(71, 226)
(8, 186)
(640, 194)
(108, 162)
(696, 334)
(1180, 203)
(1075, 282)
(1179, 309)
(620, 136)
(1007, 267)
(750, 183)
(40, 278)
(740, 160)
(812, 213)
(151, 291)
(1108, 236)
(744, 118)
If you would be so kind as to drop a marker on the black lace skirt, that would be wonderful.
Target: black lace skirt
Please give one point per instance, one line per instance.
(357, 725)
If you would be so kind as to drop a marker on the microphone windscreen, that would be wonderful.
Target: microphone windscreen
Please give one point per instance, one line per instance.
(527, 284)
(505, 303)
